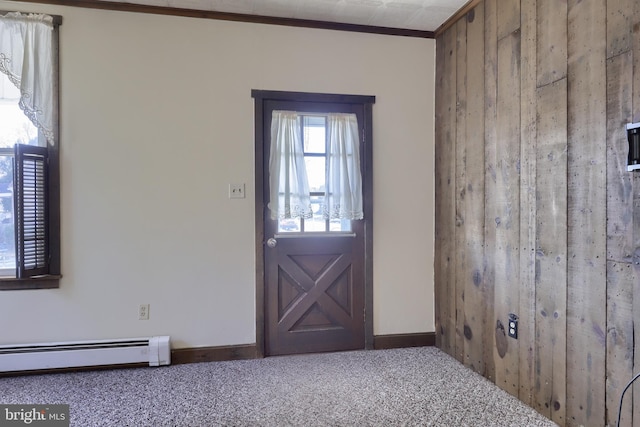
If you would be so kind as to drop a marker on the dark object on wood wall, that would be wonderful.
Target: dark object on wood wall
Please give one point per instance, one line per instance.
(501, 339)
(622, 397)
(633, 136)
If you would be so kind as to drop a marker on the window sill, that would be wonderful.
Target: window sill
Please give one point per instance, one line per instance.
(47, 281)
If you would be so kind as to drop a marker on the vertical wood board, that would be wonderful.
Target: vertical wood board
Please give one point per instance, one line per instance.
(619, 26)
(440, 192)
(451, 236)
(620, 77)
(551, 252)
(445, 196)
(619, 181)
(620, 331)
(636, 211)
(505, 211)
(508, 17)
(526, 312)
(490, 96)
(551, 46)
(636, 295)
(461, 182)
(476, 320)
(586, 313)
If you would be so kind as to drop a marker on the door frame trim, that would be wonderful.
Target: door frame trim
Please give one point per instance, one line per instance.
(260, 97)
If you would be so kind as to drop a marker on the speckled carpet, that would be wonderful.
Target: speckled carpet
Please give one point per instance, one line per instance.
(402, 387)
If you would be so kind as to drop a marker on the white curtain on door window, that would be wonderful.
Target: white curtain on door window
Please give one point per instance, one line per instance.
(26, 57)
(288, 183)
(344, 180)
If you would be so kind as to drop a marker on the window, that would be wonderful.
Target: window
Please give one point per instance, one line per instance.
(314, 137)
(315, 178)
(29, 170)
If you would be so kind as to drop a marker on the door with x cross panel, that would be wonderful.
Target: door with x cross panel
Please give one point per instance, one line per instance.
(314, 263)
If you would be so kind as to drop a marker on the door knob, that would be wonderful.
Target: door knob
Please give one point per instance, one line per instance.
(272, 243)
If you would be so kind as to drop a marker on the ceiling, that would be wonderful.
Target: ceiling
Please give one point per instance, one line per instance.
(421, 15)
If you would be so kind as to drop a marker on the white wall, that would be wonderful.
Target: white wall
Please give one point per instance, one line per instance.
(157, 120)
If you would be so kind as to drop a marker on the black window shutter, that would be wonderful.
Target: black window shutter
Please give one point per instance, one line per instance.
(31, 210)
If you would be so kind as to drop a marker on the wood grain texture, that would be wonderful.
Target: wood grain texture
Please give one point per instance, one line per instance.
(620, 331)
(471, 4)
(619, 182)
(440, 193)
(636, 217)
(461, 179)
(505, 210)
(477, 327)
(586, 290)
(577, 209)
(490, 122)
(636, 288)
(636, 213)
(551, 252)
(508, 17)
(551, 41)
(213, 354)
(422, 339)
(445, 194)
(621, 280)
(619, 26)
(623, 289)
(528, 144)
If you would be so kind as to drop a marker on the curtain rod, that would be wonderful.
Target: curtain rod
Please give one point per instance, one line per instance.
(57, 19)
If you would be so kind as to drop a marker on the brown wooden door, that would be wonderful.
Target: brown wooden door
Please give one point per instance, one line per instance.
(315, 282)
(314, 294)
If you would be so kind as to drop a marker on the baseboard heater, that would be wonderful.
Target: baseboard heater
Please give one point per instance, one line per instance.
(28, 357)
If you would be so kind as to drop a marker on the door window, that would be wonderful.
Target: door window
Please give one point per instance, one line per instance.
(331, 156)
(314, 137)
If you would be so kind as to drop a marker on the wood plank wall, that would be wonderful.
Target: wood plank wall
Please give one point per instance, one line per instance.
(535, 212)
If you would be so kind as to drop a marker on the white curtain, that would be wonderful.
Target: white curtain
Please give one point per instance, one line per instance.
(344, 180)
(288, 183)
(26, 57)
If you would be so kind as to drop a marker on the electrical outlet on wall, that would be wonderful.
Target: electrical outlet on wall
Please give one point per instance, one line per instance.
(236, 191)
(513, 326)
(143, 312)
